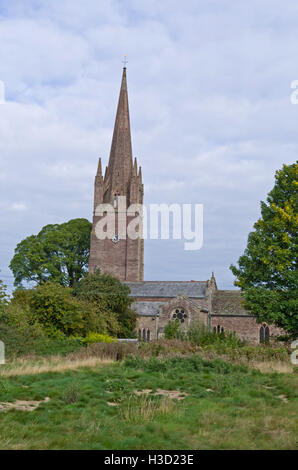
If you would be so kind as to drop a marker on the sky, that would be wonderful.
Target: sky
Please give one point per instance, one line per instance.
(209, 86)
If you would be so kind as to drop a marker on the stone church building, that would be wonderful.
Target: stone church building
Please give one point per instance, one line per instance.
(156, 302)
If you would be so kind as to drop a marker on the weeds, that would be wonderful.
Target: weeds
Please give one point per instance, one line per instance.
(224, 406)
(144, 409)
(71, 394)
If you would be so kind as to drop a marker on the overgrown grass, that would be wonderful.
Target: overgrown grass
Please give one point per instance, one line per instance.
(144, 409)
(118, 406)
(226, 344)
(198, 334)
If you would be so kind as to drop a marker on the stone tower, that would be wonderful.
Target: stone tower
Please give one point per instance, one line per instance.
(120, 256)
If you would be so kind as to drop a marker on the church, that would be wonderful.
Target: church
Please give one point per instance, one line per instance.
(156, 302)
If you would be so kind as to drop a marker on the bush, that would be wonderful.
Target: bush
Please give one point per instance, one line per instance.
(92, 338)
(54, 307)
(27, 341)
(18, 312)
(171, 330)
(115, 351)
(112, 301)
(199, 335)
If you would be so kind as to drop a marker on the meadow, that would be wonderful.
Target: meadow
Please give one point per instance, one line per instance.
(100, 398)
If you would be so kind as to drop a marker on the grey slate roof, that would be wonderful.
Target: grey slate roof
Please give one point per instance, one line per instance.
(168, 289)
(145, 309)
(228, 302)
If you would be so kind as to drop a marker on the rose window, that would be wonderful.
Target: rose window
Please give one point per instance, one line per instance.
(179, 314)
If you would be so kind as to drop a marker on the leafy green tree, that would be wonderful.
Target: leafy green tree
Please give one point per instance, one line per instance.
(53, 310)
(58, 311)
(3, 298)
(59, 253)
(18, 312)
(267, 271)
(110, 296)
(3, 295)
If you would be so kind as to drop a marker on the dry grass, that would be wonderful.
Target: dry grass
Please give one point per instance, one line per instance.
(101, 354)
(52, 364)
(272, 366)
(144, 409)
(112, 351)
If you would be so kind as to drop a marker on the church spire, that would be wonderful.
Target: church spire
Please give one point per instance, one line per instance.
(120, 162)
(122, 257)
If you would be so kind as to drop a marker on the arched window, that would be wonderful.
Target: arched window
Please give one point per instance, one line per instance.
(148, 335)
(140, 334)
(267, 334)
(144, 334)
(264, 334)
(116, 195)
(218, 329)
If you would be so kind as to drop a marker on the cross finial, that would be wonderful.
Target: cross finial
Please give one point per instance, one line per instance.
(125, 61)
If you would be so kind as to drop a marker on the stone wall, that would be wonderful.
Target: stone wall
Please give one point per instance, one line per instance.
(246, 327)
(147, 323)
(190, 309)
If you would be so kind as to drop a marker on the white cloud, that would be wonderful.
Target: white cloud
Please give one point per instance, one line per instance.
(19, 206)
(209, 87)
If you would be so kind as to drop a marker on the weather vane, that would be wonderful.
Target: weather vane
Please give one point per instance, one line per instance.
(125, 61)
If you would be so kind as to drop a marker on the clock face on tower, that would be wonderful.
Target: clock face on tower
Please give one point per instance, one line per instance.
(115, 239)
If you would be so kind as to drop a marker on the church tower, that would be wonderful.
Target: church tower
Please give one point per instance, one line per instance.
(119, 255)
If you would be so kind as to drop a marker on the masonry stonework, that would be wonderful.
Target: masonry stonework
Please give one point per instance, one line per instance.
(246, 327)
(155, 303)
(118, 255)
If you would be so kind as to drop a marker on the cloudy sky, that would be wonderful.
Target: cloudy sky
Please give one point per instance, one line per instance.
(209, 89)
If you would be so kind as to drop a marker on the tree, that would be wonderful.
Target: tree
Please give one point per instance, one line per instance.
(59, 253)
(267, 271)
(58, 311)
(109, 295)
(3, 297)
(3, 294)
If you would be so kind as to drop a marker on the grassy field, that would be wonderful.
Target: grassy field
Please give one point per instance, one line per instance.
(156, 403)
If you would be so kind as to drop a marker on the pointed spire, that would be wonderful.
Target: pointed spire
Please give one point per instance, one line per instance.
(99, 169)
(98, 186)
(140, 173)
(135, 168)
(120, 162)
